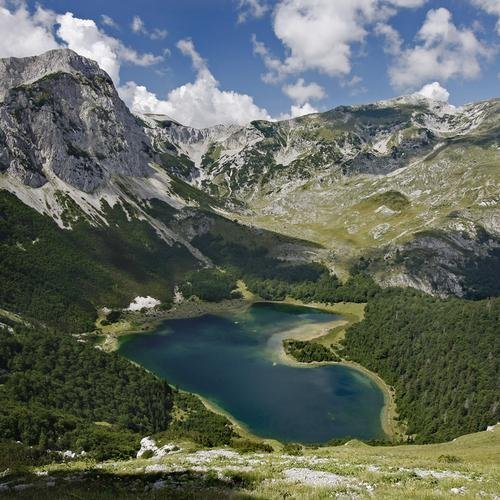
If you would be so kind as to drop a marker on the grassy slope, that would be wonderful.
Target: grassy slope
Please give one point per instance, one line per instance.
(469, 465)
(344, 213)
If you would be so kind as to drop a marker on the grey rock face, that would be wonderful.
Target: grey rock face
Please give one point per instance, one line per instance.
(374, 139)
(61, 114)
(446, 262)
(15, 71)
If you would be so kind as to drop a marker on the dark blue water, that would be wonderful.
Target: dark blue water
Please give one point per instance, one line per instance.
(231, 360)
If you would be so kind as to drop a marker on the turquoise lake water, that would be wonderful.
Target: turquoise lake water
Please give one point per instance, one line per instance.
(232, 360)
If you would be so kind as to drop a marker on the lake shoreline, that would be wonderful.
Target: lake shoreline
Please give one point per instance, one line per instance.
(388, 411)
(191, 309)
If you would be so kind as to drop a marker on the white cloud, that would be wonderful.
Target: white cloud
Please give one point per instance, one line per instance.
(491, 7)
(321, 34)
(434, 91)
(24, 34)
(186, 46)
(139, 27)
(84, 37)
(272, 63)
(392, 38)
(318, 35)
(305, 109)
(442, 51)
(251, 9)
(200, 103)
(137, 24)
(298, 110)
(354, 85)
(300, 92)
(109, 21)
(408, 3)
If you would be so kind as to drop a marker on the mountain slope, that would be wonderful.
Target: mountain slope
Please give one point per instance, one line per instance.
(465, 468)
(89, 215)
(384, 188)
(378, 179)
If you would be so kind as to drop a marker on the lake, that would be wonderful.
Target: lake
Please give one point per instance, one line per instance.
(235, 360)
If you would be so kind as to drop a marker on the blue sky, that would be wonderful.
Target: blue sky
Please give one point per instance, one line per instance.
(246, 59)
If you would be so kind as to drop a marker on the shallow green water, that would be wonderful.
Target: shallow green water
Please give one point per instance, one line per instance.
(231, 359)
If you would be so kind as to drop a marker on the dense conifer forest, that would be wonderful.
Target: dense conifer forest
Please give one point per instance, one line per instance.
(441, 356)
(60, 277)
(57, 393)
(273, 279)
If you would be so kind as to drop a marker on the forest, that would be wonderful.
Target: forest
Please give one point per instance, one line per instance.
(308, 351)
(441, 356)
(60, 276)
(210, 284)
(273, 279)
(57, 393)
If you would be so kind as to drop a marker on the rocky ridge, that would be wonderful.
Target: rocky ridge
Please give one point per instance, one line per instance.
(404, 181)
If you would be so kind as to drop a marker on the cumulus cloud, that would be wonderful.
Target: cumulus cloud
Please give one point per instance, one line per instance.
(139, 27)
(354, 85)
(408, 3)
(318, 35)
(434, 91)
(200, 103)
(300, 92)
(108, 21)
(24, 34)
(273, 64)
(251, 9)
(491, 7)
(305, 109)
(84, 37)
(321, 34)
(392, 38)
(297, 110)
(442, 51)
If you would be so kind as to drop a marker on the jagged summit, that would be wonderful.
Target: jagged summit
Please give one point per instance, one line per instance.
(61, 119)
(16, 71)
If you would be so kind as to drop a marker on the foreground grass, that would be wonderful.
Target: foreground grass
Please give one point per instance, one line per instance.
(468, 467)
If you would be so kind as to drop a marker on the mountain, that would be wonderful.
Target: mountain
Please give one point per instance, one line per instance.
(398, 182)
(100, 208)
(405, 190)
(90, 215)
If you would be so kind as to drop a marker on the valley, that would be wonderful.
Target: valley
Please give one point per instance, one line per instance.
(330, 281)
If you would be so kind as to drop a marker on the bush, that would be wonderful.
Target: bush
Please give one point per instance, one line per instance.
(197, 423)
(250, 446)
(114, 316)
(449, 459)
(294, 449)
(148, 454)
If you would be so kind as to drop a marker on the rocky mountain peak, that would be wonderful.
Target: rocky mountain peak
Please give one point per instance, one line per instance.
(61, 116)
(15, 71)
